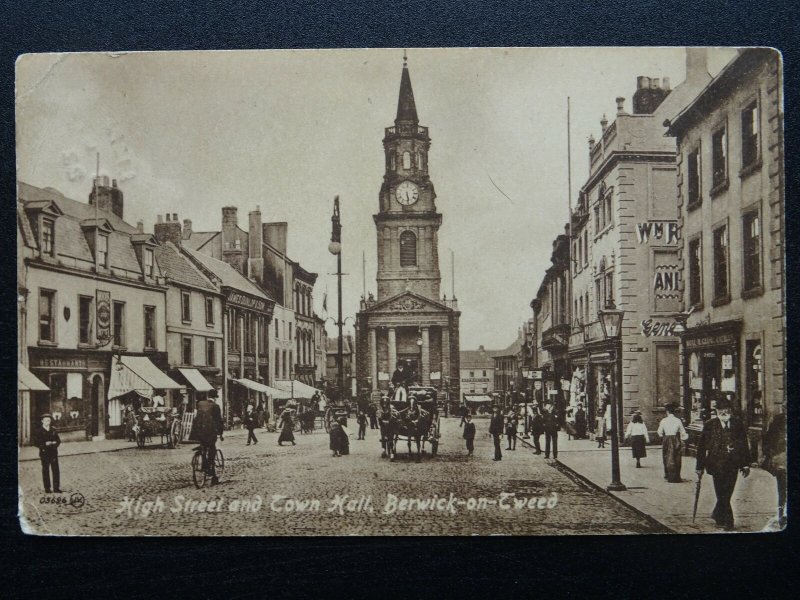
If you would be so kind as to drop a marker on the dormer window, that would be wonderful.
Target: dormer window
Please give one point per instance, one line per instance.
(47, 235)
(148, 262)
(102, 251)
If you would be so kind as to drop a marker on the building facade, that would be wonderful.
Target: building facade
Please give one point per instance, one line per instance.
(477, 371)
(96, 294)
(408, 321)
(332, 359)
(731, 197)
(508, 380)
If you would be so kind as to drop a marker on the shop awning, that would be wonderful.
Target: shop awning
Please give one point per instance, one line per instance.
(296, 389)
(28, 382)
(196, 380)
(264, 389)
(137, 374)
(480, 398)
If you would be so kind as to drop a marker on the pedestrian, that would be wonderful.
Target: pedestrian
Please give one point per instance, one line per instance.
(373, 416)
(286, 425)
(464, 412)
(469, 433)
(672, 434)
(600, 427)
(551, 427)
(361, 419)
(344, 437)
(580, 422)
(206, 427)
(511, 431)
(335, 438)
(537, 428)
(723, 452)
(637, 435)
(46, 439)
(774, 462)
(250, 422)
(496, 430)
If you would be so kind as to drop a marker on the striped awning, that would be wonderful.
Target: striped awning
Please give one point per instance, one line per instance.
(138, 374)
(28, 382)
(196, 380)
(275, 393)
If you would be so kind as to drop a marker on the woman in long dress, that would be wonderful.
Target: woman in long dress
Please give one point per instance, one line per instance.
(673, 435)
(287, 425)
(639, 438)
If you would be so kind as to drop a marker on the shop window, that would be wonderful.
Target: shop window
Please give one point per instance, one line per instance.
(719, 157)
(186, 307)
(693, 178)
(695, 259)
(211, 353)
(148, 262)
(67, 406)
(47, 316)
(102, 251)
(47, 237)
(408, 249)
(754, 383)
(721, 292)
(751, 251)
(119, 324)
(186, 350)
(85, 319)
(149, 326)
(750, 135)
(209, 310)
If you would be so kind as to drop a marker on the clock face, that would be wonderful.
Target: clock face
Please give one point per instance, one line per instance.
(407, 193)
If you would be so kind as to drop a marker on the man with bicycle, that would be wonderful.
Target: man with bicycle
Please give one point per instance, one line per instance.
(207, 426)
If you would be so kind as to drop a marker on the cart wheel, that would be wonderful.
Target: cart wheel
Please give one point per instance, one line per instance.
(198, 472)
(219, 463)
(175, 434)
(140, 438)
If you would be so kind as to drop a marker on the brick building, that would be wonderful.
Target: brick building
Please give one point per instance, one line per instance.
(730, 199)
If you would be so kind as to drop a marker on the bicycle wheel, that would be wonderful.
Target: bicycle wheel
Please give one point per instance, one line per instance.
(219, 463)
(198, 472)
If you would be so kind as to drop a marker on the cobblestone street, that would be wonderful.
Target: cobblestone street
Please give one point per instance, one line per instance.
(286, 478)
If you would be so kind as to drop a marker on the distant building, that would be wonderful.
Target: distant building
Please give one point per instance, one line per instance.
(348, 360)
(508, 366)
(477, 371)
(732, 247)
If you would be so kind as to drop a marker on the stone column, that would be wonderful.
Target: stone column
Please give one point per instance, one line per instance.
(373, 357)
(392, 349)
(425, 367)
(445, 354)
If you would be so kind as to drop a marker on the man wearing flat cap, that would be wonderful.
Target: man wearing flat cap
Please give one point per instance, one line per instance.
(47, 440)
(723, 452)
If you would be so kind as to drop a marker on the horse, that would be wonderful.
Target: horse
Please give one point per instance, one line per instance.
(413, 427)
(388, 425)
(307, 419)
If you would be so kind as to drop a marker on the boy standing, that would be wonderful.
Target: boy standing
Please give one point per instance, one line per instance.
(469, 433)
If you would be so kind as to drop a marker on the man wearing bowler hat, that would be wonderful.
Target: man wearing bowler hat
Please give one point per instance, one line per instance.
(47, 440)
(723, 452)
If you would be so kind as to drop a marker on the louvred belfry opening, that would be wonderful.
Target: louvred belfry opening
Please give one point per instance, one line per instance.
(408, 249)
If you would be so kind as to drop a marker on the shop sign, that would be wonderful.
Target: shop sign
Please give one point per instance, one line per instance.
(472, 379)
(663, 232)
(710, 340)
(652, 328)
(667, 280)
(727, 362)
(103, 316)
(46, 362)
(239, 299)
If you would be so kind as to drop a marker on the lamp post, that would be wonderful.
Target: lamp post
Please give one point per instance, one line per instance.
(611, 321)
(419, 345)
(335, 248)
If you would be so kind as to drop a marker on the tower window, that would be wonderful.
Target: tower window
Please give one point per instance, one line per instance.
(421, 161)
(408, 249)
(406, 160)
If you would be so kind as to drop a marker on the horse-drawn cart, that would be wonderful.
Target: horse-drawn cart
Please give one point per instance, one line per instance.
(166, 423)
(415, 418)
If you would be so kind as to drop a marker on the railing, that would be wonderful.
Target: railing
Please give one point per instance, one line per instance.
(406, 130)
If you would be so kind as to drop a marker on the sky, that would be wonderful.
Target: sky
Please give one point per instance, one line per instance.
(287, 130)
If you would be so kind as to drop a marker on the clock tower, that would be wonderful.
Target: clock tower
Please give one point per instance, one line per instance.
(408, 322)
(407, 222)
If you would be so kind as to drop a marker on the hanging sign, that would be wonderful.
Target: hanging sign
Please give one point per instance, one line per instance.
(103, 316)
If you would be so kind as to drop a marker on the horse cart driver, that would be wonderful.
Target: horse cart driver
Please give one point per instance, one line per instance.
(401, 380)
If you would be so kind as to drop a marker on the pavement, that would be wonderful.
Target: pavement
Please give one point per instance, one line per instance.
(302, 490)
(754, 500)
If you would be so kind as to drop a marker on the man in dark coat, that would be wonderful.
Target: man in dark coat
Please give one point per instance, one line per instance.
(723, 452)
(551, 427)
(580, 423)
(537, 427)
(496, 429)
(47, 440)
(401, 380)
(469, 434)
(361, 419)
(250, 421)
(207, 426)
(372, 411)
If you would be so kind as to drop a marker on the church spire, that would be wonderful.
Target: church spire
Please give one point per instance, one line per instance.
(406, 108)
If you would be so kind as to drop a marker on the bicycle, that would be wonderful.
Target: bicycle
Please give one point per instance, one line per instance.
(199, 470)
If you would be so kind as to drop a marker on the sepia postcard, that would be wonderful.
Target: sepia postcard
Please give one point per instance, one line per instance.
(388, 292)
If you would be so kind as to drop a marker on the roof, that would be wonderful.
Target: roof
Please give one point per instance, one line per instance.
(227, 275)
(25, 227)
(406, 107)
(715, 90)
(176, 267)
(477, 359)
(333, 345)
(198, 239)
(514, 348)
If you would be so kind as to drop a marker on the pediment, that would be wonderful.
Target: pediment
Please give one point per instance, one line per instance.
(407, 302)
(101, 223)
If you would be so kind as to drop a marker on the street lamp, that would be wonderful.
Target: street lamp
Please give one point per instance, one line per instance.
(419, 345)
(335, 248)
(611, 321)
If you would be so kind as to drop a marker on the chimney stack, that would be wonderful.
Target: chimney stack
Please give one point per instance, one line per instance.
(169, 231)
(140, 226)
(649, 95)
(696, 63)
(255, 260)
(275, 234)
(230, 225)
(107, 196)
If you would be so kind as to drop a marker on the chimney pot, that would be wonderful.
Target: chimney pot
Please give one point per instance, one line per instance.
(113, 183)
(666, 84)
(655, 83)
(158, 218)
(140, 226)
(642, 82)
(620, 105)
(174, 216)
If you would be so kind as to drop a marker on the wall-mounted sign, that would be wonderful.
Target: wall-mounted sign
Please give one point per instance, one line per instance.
(661, 232)
(239, 299)
(667, 280)
(472, 379)
(438, 375)
(727, 361)
(652, 328)
(103, 316)
(383, 376)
